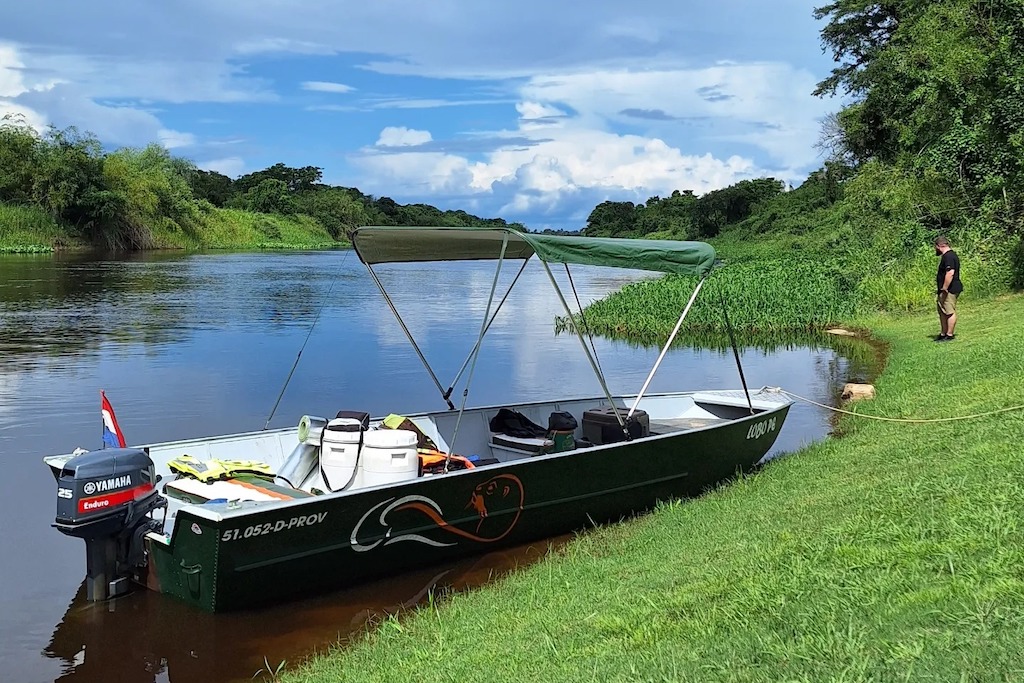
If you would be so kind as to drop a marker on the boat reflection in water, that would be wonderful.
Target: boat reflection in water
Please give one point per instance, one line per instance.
(144, 637)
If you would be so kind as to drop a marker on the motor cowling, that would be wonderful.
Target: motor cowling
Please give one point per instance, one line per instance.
(105, 497)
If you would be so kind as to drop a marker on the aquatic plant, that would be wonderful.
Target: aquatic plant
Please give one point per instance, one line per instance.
(770, 296)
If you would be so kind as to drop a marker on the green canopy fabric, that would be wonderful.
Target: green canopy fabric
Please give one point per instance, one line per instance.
(389, 244)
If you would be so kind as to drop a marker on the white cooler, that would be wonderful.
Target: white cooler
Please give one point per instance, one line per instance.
(389, 456)
(338, 455)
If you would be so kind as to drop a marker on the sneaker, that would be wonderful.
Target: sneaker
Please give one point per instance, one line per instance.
(940, 337)
(949, 337)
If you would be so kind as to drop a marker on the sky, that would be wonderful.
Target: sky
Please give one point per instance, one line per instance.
(533, 111)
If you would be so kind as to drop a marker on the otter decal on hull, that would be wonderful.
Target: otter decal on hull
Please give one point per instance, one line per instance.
(500, 494)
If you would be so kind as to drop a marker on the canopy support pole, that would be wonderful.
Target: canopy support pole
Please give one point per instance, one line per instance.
(458, 376)
(736, 353)
(586, 350)
(408, 334)
(664, 349)
(484, 324)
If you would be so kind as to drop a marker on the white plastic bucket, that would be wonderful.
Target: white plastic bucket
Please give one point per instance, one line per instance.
(389, 456)
(339, 453)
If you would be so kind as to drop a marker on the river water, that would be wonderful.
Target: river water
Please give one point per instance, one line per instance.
(189, 345)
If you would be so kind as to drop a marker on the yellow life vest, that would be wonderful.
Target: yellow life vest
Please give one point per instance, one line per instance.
(214, 470)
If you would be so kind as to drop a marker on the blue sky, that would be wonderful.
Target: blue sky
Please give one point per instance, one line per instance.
(532, 111)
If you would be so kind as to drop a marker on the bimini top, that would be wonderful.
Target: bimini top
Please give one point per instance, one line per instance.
(390, 244)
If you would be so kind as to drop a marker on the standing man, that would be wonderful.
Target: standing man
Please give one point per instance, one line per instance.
(947, 282)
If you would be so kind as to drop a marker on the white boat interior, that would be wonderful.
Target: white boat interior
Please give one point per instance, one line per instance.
(301, 466)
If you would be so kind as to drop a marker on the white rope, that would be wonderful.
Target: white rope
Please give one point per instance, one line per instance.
(891, 419)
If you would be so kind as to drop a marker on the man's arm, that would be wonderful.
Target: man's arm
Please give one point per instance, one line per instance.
(948, 279)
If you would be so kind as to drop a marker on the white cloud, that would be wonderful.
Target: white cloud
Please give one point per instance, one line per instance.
(173, 138)
(332, 107)
(400, 136)
(326, 86)
(264, 45)
(229, 166)
(765, 105)
(369, 104)
(414, 103)
(580, 165)
(554, 162)
(455, 38)
(536, 110)
(12, 84)
(67, 105)
(24, 114)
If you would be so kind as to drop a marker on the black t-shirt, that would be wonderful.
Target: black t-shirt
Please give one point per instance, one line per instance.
(949, 261)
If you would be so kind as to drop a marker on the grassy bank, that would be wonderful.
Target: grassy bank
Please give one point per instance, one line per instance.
(236, 229)
(893, 553)
(27, 229)
(787, 284)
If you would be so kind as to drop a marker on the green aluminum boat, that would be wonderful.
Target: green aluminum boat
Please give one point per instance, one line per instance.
(231, 521)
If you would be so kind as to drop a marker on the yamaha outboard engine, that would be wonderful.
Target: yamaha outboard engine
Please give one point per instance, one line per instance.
(105, 497)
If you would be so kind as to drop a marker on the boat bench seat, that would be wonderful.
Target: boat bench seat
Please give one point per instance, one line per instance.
(189, 490)
(518, 445)
(683, 424)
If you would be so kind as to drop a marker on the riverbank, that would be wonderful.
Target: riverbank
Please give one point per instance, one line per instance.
(781, 285)
(892, 553)
(25, 229)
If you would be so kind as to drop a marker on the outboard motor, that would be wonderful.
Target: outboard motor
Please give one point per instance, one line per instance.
(105, 497)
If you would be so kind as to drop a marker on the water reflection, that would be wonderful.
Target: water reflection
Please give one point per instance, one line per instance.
(143, 638)
(74, 303)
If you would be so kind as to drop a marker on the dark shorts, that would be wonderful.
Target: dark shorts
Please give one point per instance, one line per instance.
(946, 304)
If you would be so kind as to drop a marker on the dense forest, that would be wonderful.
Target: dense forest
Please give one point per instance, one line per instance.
(145, 198)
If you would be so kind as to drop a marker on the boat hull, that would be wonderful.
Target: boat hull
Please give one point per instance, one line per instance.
(225, 559)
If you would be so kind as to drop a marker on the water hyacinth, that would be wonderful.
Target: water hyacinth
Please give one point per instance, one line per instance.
(766, 296)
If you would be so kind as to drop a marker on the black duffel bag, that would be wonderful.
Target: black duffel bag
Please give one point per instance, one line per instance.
(561, 422)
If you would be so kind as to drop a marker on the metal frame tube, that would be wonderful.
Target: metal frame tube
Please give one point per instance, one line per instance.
(736, 353)
(458, 375)
(484, 324)
(586, 350)
(664, 350)
(408, 334)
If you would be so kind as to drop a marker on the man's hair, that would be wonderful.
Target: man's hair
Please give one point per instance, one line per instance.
(941, 241)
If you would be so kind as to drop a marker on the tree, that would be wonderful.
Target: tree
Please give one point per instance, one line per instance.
(673, 215)
(611, 219)
(142, 190)
(269, 196)
(295, 179)
(20, 149)
(335, 209)
(718, 208)
(68, 167)
(938, 89)
(858, 32)
(212, 186)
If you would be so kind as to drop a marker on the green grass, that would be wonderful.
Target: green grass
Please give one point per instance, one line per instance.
(235, 229)
(894, 553)
(28, 230)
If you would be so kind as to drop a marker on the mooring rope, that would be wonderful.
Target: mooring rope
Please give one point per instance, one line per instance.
(891, 419)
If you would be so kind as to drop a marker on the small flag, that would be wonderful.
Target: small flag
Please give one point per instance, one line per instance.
(112, 435)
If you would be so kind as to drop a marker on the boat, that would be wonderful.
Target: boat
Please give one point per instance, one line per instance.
(226, 522)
